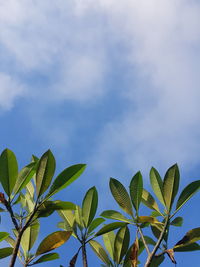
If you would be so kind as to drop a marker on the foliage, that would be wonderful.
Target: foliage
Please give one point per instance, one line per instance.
(28, 197)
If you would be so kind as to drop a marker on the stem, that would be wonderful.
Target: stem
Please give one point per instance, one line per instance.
(152, 254)
(19, 237)
(84, 254)
(143, 240)
(12, 216)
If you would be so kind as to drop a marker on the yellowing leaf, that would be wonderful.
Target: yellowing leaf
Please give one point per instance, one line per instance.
(53, 241)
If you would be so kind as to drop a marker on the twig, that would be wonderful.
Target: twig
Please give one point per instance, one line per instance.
(143, 240)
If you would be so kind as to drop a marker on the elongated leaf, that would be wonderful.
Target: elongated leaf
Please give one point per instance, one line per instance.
(29, 237)
(3, 236)
(121, 244)
(157, 184)
(148, 219)
(89, 206)
(48, 207)
(109, 240)
(68, 216)
(24, 177)
(157, 260)
(45, 172)
(8, 171)
(187, 248)
(121, 196)
(5, 252)
(178, 221)
(94, 224)
(100, 251)
(114, 215)
(171, 185)
(47, 257)
(110, 227)
(53, 241)
(190, 237)
(136, 189)
(149, 201)
(187, 193)
(65, 178)
(78, 217)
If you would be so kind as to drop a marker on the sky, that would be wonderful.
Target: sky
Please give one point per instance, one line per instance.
(114, 84)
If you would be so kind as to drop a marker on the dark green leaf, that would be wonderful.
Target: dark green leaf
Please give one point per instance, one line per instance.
(47, 257)
(190, 237)
(187, 193)
(121, 196)
(114, 215)
(136, 188)
(3, 235)
(149, 201)
(8, 171)
(5, 252)
(178, 221)
(89, 206)
(157, 260)
(94, 224)
(109, 227)
(187, 248)
(157, 184)
(45, 172)
(65, 178)
(121, 244)
(171, 185)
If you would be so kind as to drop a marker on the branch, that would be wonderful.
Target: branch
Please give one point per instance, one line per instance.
(143, 240)
(152, 254)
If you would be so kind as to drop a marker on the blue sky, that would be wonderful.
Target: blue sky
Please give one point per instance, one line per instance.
(111, 84)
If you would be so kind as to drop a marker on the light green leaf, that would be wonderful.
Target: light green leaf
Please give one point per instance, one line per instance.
(187, 193)
(53, 241)
(121, 244)
(171, 185)
(100, 251)
(3, 236)
(110, 227)
(78, 217)
(65, 178)
(190, 237)
(5, 252)
(45, 171)
(114, 215)
(148, 219)
(68, 216)
(136, 189)
(109, 240)
(149, 201)
(30, 236)
(8, 171)
(24, 177)
(94, 224)
(47, 257)
(121, 196)
(178, 221)
(157, 184)
(89, 206)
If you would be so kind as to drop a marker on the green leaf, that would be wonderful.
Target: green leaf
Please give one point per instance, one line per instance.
(187, 248)
(68, 216)
(100, 251)
(190, 237)
(121, 244)
(149, 201)
(157, 260)
(94, 224)
(136, 188)
(89, 206)
(5, 252)
(47, 257)
(29, 237)
(53, 241)
(171, 185)
(121, 196)
(178, 221)
(3, 236)
(78, 217)
(8, 171)
(109, 227)
(148, 219)
(109, 240)
(114, 215)
(24, 177)
(149, 240)
(65, 178)
(45, 172)
(187, 193)
(157, 184)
